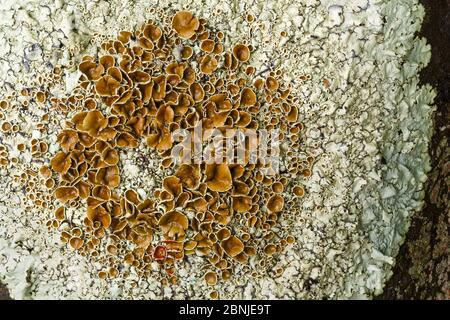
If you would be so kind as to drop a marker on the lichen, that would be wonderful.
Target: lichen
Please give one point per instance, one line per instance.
(353, 65)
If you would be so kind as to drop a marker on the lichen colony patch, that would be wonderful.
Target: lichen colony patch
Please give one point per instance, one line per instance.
(205, 149)
(148, 85)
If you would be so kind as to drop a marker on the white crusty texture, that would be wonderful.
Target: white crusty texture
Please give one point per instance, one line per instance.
(370, 129)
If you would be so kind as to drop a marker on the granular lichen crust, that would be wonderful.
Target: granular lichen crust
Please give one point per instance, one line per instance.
(367, 122)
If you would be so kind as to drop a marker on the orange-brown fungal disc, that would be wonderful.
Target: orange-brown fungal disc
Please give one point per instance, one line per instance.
(124, 37)
(189, 75)
(277, 187)
(61, 162)
(172, 185)
(185, 24)
(208, 64)
(162, 140)
(242, 203)
(4, 104)
(259, 83)
(146, 43)
(271, 84)
(60, 213)
(275, 204)
(93, 123)
(199, 204)
(41, 97)
(85, 139)
(186, 52)
(292, 116)
(165, 114)
(110, 156)
(270, 249)
(182, 105)
(290, 239)
(126, 139)
(197, 92)
(232, 246)
(65, 194)
(223, 234)
(241, 52)
(107, 134)
(6, 126)
(101, 192)
(211, 278)
(76, 243)
(174, 224)
(207, 45)
(107, 86)
(159, 88)
(83, 189)
(298, 191)
(67, 139)
(189, 176)
(100, 214)
(248, 97)
(218, 48)
(132, 197)
(139, 76)
(45, 172)
(227, 60)
(107, 62)
(77, 120)
(175, 68)
(307, 173)
(91, 70)
(218, 177)
(108, 176)
(202, 35)
(152, 32)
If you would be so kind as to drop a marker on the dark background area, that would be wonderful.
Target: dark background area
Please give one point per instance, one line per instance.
(422, 267)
